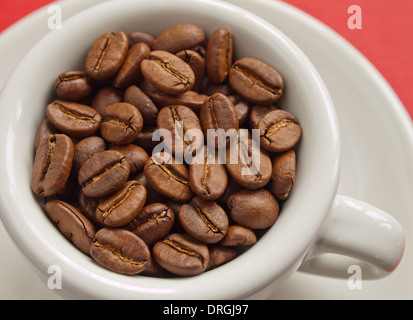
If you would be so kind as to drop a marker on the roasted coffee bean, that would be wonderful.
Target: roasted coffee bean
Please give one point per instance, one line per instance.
(104, 173)
(252, 167)
(121, 123)
(105, 97)
(135, 155)
(178, 120)
(199, 49)
(209, 88)
(136, 97)
(218, 57)
(43, 131)
(73, 224)
(87, 148)
(204, 220)
(208, 178)
(74, 119)
(256, 209)
(239, 236)
(52, 165)
(232, 187)
(197, 64)
(153, 269)
(167, 72)
(107, 54)
(256, 81)
(257, 112)
(218, 255)
(151, 195)
(144, 139)
(167, 177)
(122, 207)
(73, 85)
(283, 174)
(181, 255)
(153, 223)
(88, 207)
(129, 72)
(242, 108)
(191, 99)
(218, 112)
(279, 131)
(120, 250)
(136, 37)
(179, 37)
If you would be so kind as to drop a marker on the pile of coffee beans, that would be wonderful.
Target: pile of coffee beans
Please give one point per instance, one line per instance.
(114, 182)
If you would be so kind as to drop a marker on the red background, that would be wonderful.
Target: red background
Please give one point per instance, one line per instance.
(385, 38)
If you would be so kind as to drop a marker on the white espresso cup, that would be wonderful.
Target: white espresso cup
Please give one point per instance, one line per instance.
(313, 222)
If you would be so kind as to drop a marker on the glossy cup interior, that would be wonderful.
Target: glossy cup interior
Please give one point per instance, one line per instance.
(278, 252)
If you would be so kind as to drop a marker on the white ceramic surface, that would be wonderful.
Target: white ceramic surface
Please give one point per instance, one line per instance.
(307, 282)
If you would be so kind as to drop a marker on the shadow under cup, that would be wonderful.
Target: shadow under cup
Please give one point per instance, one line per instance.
(278, 252)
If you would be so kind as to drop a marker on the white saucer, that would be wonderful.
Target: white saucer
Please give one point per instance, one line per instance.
(377, 147)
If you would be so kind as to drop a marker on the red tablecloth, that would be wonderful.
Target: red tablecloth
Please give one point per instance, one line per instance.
(385, 37)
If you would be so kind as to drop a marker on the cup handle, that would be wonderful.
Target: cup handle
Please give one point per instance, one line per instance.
(358, 235)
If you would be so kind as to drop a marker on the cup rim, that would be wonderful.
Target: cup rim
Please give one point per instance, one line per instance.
(82, 281)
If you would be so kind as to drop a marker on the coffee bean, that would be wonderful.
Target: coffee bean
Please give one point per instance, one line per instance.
(252, 167)
(279, 131)
(137, 36)
(197, 64)
(121, 123)
(218, 55)
(52, 165)
(256, 209)
(136, 97)
(208, 178)
(218, 112)
(190, 99)
(179, 37)
(256, 81)
(87, 148)
(107, 54)
(43, 131)
(73, 85)
(239, 236)
(204, 220)
(153, 223)
(74, 119)
(218, 255)
(104, 173)
(135, 155)
(167, 177)
(151, 195)
(167, 72)
(242, 108)
(179, 120)
(122, 207)
(120, 250)
(88, 207)
(105, 97)
(181, 255)
(257, 112)
(129, 72)
(73, 224)
(144, 139)
(283, 174)
(209, 88)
